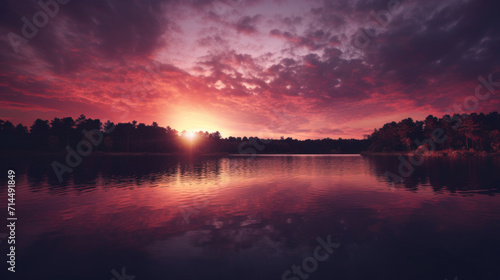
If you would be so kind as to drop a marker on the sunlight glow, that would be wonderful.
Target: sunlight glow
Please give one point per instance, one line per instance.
(190, 136)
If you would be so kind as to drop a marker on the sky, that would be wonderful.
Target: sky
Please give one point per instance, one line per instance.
(301, 69)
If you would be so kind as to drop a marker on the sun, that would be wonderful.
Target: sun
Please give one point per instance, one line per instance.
(190, 136)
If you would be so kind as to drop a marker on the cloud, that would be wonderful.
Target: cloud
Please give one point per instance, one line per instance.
(24, 106)
(247, 24)
(279, 67)
(329, 131)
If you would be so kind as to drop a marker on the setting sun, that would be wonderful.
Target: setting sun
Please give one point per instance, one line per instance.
(190, 136)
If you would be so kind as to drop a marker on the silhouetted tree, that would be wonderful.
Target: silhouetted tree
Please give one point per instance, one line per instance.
(461, 132)
(40, 133)
(474, 131)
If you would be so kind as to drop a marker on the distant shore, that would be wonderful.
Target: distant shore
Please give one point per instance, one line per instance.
(24, 154)
(442, 153)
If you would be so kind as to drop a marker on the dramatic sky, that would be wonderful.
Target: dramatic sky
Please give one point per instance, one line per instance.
(305, 69)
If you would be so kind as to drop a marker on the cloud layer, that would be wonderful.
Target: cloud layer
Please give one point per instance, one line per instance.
(306, 69)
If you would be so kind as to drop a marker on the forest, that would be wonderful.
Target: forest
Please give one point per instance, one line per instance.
(460, 132)
(60, 134)
(465, 132)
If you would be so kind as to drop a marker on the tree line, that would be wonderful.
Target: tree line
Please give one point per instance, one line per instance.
(133, 137)
(466, 132)
(471, 132)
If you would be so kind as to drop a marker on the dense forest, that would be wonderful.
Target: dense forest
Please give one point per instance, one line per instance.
(61, 134)
(466, 132)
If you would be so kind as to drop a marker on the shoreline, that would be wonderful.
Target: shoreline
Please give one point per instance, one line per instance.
(442, 153)
(26, 154)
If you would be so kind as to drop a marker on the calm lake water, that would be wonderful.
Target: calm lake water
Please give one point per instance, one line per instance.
(166, 218)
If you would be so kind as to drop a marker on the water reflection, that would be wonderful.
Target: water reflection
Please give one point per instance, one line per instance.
(471, 174)
(253, 219)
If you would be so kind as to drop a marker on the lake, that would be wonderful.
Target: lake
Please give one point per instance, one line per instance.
(268, 217)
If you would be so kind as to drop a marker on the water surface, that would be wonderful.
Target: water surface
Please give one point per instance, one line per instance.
(238, 218)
